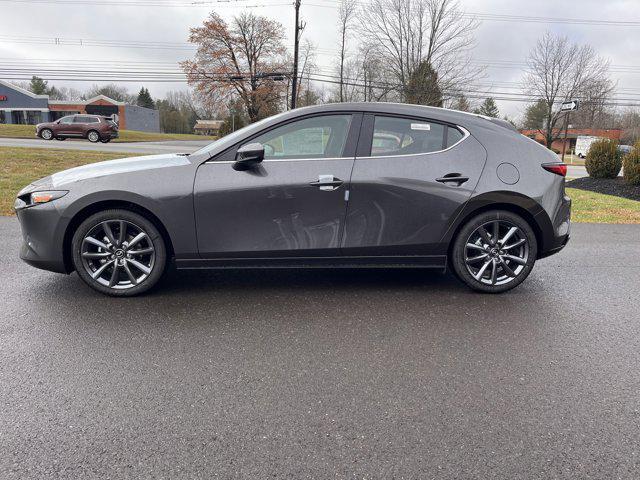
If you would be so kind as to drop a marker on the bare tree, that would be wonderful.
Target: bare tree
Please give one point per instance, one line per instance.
(305, 93)
(236, 60)
(408, 33)
(595, 111)
(346, 13)
(559, 71)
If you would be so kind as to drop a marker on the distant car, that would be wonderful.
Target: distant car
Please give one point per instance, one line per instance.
(583, 143)
(625, 149)
(336, 185)
(94, 128)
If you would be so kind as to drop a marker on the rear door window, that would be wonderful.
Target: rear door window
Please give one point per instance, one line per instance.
(85, 119)
(406, 136)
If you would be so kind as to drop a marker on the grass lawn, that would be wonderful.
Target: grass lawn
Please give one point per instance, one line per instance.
(28, 131)
(591, 207)
(21, 166)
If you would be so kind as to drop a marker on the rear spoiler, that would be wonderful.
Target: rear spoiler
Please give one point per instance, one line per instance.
(502, 123)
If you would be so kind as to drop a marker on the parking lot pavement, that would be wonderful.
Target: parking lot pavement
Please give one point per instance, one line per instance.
(318, 374)
(143, 148)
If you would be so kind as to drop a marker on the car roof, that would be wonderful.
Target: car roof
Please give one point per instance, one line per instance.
(456, 117)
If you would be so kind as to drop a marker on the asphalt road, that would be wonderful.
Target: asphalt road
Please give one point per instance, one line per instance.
(326, 374)
(149, 148)
(144, 148)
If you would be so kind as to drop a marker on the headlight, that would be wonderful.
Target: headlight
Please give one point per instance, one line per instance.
(46, 196)
(29, 199)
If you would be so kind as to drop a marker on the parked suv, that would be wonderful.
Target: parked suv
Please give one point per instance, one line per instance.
(95, 128)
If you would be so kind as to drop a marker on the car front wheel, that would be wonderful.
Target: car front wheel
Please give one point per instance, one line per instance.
(46, 134)
(119, 253)
(494, 251)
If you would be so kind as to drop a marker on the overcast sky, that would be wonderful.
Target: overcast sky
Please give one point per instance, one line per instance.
(495, 41)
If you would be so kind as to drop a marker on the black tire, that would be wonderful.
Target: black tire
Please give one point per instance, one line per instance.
(155, 262)
(46, 134)
(93, 136)
(511, 273)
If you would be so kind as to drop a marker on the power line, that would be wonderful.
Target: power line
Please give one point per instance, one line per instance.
(484, 16)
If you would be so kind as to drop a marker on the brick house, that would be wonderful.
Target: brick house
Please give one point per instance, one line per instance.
(572, 135)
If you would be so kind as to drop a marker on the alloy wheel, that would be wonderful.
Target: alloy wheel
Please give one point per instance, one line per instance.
(46, 134)
(117, 254)
(496, 253)
(94, 137)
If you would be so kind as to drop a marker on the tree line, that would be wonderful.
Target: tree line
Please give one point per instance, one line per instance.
(412, 51)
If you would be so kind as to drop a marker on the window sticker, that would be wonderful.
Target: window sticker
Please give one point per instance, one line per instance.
(420, 126)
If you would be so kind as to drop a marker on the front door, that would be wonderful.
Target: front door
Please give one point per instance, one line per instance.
(292, 204)
(66, 126)
(409, 178)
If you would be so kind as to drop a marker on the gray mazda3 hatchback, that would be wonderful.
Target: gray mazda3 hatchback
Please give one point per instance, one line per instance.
(337, 185)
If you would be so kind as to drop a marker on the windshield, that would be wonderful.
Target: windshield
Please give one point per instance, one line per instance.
(231, 138)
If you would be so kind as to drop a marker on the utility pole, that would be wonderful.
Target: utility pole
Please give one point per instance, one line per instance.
(294, 87)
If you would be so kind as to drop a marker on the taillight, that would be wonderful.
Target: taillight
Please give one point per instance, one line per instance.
(557, 168)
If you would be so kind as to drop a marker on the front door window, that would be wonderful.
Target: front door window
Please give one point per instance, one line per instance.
(316, 137)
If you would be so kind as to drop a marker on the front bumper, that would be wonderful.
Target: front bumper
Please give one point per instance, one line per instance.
(42, 237)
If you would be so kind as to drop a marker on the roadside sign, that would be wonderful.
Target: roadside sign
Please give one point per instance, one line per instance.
(568, 106)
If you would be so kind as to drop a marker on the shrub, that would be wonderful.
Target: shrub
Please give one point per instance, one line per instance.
(632, 165)
(603, 159)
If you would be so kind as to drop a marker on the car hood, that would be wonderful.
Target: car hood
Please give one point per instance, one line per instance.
(114, 167)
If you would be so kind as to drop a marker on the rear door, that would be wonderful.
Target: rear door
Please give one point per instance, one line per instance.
(83, 123)
(409, 178)
(292, 204)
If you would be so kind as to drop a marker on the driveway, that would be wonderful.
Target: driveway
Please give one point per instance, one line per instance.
(326, 374)
(144, 148)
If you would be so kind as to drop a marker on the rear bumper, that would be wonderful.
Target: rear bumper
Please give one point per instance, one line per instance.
(557, 236)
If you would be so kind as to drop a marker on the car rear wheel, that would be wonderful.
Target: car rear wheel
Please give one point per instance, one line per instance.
(494, 251)
(93, 136)
(119, 253)
(46, 134)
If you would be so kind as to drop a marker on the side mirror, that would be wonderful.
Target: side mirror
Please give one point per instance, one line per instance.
(249, 156)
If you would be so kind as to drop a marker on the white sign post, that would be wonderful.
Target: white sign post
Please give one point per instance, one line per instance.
(568, 107)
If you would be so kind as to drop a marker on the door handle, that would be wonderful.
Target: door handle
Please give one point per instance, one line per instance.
(453, 178)
(327, 183)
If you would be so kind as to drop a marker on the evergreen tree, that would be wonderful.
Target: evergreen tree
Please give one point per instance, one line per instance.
(488, 108)
(462, 104)
(38, 86)
(535, 115)
(144, 99)
(422, 87)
